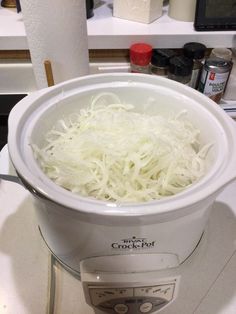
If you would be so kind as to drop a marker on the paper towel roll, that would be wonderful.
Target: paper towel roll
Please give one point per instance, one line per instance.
(57, 30)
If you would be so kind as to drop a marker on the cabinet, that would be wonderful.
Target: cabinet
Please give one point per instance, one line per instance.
(108, 32)
(109, 40)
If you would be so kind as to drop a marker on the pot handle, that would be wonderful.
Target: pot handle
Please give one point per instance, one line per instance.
(10, 178)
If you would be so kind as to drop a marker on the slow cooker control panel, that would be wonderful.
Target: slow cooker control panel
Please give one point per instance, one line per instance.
(129, 300)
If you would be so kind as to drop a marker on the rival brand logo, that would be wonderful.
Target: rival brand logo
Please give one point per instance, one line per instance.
(133, 244)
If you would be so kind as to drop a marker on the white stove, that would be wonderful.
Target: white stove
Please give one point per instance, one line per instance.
(33, 282)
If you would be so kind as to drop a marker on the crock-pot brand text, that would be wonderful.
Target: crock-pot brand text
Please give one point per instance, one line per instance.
(133, 244)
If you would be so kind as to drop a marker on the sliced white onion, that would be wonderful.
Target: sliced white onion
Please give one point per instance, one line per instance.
(110, 152)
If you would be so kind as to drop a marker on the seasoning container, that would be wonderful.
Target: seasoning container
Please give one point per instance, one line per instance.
(182, 10)
(160, 61)
(140, 57)
(230, 91)
(223, 53)
(89, 8)
(8, 3)
(196, 52)
(180, 69)
(214, 78)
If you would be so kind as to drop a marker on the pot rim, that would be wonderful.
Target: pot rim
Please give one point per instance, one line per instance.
(212, 183)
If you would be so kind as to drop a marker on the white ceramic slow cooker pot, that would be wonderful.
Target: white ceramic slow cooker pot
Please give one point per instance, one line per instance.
(147, 236)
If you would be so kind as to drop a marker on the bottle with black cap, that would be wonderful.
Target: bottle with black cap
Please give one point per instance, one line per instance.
(180, 69)
(196, 52)
(89, 8)
(160, 61)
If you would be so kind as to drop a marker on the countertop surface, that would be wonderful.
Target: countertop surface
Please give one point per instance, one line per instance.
(108, 32)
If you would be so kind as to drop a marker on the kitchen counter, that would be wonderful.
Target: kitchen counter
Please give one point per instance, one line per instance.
(108, 32)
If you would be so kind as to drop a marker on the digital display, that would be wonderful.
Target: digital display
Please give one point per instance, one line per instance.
(220, 8)
(215, 15)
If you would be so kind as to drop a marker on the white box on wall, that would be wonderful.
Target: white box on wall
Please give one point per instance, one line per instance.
(143, 11)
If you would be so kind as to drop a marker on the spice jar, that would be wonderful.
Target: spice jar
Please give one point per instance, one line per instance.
(89, 8)
(8, 3)
(230, 91)
(160, 61)
(223, 53)
(214, 77)
(140, 57)
(196, 52)
(182, 10)
(180, 69)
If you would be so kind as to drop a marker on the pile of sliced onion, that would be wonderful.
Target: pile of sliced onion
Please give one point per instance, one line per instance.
(110, 152)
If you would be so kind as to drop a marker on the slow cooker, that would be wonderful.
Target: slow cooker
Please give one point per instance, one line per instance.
(117, 249)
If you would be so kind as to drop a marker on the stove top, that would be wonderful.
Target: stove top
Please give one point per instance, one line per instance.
(27, 286)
